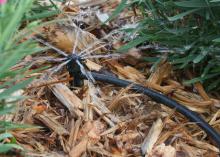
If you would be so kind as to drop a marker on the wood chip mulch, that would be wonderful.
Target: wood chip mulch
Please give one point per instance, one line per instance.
(100, 119)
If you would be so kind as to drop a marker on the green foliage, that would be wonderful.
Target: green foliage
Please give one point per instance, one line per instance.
(190, 32)
(13, 28)
(8, 146)
(38, 11)
(120, 8)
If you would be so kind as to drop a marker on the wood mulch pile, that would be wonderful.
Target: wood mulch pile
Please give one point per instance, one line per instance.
(101, 119)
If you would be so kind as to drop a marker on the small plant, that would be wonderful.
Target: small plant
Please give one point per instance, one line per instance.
(187, 31)
(17, 18)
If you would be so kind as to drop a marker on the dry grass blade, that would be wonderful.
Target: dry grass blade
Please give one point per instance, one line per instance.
(203, 145)
(201, 91)
(88, 3)
(163, 71)
(117, 98)
(192, 151)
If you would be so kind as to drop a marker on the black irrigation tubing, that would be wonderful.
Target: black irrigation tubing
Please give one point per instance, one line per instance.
(160, 98)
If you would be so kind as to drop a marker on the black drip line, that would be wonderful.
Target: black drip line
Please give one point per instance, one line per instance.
(156, 96)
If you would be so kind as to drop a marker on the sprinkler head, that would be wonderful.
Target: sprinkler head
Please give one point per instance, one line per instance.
(74, 57)
(74, 70)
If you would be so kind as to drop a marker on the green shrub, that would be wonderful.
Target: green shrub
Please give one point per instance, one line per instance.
(187, 31)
